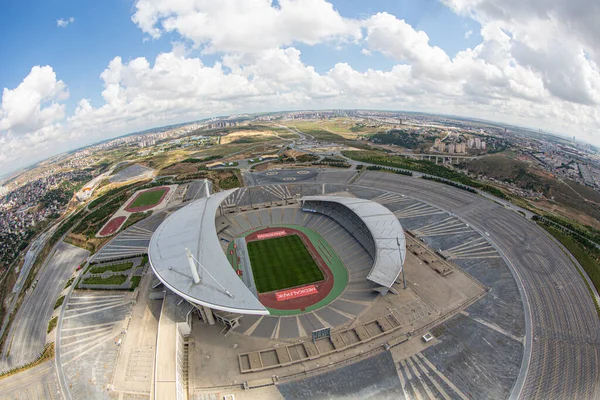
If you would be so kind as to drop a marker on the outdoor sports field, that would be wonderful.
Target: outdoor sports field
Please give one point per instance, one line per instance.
(149, 198)
(281, 263)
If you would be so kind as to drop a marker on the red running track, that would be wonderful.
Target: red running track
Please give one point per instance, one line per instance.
(112, 226)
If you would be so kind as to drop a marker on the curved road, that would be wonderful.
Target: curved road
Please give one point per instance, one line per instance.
(564, 334)
(27, 335)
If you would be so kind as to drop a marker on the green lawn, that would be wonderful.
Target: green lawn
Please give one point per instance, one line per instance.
(70, 282)
(135, 281)
(281, 263)
(59, 302)
(52, 323)
(111, 280)
(148, 198)
(114, 268)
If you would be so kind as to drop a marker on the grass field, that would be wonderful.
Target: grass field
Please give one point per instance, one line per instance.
(148, 198)
(281, 263)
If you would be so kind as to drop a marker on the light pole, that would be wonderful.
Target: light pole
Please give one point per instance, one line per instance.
(401, 266)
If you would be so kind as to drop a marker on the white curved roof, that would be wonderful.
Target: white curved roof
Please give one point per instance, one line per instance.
(386, 231)
(193, 227)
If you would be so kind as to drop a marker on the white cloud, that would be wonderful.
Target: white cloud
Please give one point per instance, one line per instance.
(245, 25)
(397, 39)
(62, 23)
(480, 82)
(557, 39)
(33, 104)
(516, 62)
(468, 33)
(30, 117)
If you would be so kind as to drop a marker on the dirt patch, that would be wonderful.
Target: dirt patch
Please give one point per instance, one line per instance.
(112, 226)
(566, 212)
(323, 287)
(263, 167)
(293, 153)
(251, 135)
(180, 168)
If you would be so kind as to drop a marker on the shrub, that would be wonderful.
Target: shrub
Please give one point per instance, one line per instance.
(111, 280)
(59, 302)
(52, 324)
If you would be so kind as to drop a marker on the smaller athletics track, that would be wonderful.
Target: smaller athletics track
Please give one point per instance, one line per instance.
(147, 199)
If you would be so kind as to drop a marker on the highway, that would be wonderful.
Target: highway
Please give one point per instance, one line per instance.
(27, 335)
(562, 346)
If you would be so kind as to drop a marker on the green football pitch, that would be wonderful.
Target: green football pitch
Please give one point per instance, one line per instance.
(148, 198)
(281, 263)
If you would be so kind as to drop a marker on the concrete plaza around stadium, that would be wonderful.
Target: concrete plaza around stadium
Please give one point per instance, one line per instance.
(429, 297)
(514, 319)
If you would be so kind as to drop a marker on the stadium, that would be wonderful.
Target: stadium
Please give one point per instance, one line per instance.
(218, 259)
(302, 273)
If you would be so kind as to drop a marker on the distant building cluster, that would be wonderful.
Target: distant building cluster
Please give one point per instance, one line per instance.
(143, 140)
(308, 115)
(146, 142)
(458, 147)
(20, 210)
(221, 124)
(450, 148)
(477, 143)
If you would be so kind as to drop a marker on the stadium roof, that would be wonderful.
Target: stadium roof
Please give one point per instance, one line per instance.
(386, 232)
(193, 227)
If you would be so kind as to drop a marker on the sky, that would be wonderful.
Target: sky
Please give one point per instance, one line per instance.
(77, 72)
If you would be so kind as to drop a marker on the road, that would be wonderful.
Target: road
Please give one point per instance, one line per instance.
(38, 382)
(34, 249)
(27, 335)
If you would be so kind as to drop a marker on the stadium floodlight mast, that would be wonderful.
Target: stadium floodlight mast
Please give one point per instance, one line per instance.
(193, 261)
(207, 189)
(402, 266)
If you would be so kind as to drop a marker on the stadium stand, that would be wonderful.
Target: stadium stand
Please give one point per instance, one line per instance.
(354, 256)
(374, 226)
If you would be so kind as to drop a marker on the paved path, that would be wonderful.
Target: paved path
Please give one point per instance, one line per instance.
(91, 323)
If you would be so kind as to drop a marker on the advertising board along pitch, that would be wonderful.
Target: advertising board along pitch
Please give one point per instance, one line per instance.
(269, 235)
(298, 292)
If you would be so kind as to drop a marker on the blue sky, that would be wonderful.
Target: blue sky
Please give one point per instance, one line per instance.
(129, 65)
(79, 52)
